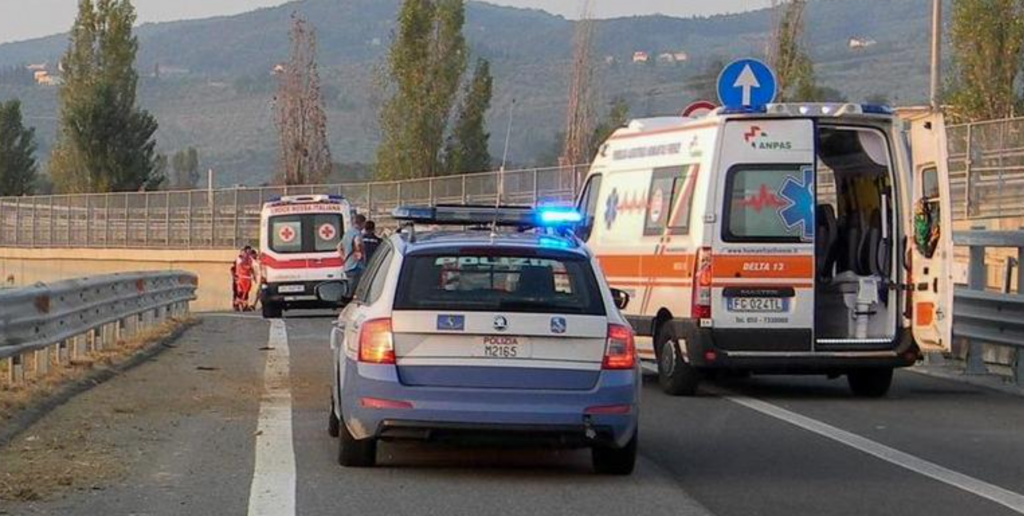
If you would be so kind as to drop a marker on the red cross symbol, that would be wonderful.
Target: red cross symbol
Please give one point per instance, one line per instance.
(327, 232)
(286, 233)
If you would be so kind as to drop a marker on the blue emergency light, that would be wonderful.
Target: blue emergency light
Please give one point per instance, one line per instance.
(559, 216)
(515, 216)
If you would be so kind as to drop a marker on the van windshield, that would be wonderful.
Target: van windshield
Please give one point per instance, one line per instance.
(499, 282)
(305, 233)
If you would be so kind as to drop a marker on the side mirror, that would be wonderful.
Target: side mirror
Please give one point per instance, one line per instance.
(621, 298)
(333, 291)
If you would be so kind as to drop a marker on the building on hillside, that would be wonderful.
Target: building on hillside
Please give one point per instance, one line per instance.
(673, 57)
(861, 43)
(641, 57)
(43, 78)
(278, 69)
(609, 60)
(41, 67)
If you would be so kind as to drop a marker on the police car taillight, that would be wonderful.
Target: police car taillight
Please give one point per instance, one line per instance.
(376, 342)
(702, 285)
(620, 352)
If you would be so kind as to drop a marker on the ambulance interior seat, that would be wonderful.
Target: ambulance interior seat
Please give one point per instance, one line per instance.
(826, 238)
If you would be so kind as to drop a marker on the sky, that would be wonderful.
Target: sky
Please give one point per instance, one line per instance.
(24, 19)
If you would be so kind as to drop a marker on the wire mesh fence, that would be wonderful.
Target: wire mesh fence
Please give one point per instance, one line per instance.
(986, 169)
(230, 218)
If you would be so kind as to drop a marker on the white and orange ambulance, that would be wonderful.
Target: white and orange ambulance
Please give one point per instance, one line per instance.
(777, 240)
(299, 238)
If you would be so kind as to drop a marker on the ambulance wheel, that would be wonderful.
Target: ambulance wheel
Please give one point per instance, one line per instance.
(677, 378)
(870, 383)
(271, 311)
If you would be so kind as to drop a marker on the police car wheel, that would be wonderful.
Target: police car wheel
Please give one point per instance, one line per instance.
(355, 453)
(615, 461)
(870, 383)
(333, 424)
(676, 377)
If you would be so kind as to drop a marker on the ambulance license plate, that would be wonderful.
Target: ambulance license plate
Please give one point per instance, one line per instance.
(768, 305)
(291, 289)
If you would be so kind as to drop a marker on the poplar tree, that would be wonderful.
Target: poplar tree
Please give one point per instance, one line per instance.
(468, 150)
(987, 39)
(424, 71)
(17, 152)
(793, 67)
(301, 116)
(185, 166)
(105, 141)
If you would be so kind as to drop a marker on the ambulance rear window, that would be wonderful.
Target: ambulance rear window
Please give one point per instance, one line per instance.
(305, 233)
(769, 203)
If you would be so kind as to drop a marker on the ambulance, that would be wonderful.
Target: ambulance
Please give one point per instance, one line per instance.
(299, 238)
(788, 239)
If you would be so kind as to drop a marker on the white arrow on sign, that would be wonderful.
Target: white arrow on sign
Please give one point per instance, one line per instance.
(747, 81)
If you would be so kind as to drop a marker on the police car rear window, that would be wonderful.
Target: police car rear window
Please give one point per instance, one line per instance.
(306, 233)
(498, 282)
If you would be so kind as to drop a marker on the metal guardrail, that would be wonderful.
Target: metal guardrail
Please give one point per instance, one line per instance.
(230, 218)
(987, 318)
(59, 321)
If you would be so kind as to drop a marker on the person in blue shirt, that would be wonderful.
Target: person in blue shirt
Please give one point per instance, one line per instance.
(352, 252)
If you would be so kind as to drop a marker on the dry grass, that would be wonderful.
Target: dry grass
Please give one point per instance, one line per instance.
(14, 398)
(77, 453)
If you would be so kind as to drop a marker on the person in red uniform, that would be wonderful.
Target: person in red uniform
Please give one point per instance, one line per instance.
(244, 271)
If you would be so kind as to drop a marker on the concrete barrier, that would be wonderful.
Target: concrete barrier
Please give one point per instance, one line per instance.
(21, 267)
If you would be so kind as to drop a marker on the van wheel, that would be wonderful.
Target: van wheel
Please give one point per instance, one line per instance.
(870, 383)
(271, 311)
(355, 453)
(677, 378)
(615, 461)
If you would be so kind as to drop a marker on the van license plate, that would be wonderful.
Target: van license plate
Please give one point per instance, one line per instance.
(758, 304)
(291, 289)
(503, 347)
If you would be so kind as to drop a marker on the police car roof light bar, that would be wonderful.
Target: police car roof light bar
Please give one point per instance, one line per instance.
(507, 216)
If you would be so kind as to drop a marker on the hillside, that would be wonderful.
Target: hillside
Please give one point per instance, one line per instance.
(215, 91)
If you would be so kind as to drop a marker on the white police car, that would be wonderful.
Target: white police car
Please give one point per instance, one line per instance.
(500, 334)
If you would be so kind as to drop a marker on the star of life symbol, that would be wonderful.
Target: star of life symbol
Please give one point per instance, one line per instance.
(799, 208)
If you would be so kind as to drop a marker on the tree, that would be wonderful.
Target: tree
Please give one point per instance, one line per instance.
(104, 142)
(793, 67)
(185, 169)
(618, 116)
(424, 71)
(987, 39)
(301, 117)
(467, 150)
(17, 152)
(580, 120)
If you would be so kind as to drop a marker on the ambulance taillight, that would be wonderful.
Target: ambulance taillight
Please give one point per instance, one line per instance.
(702, 275)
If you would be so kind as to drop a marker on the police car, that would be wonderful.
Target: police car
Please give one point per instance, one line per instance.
(503, 333)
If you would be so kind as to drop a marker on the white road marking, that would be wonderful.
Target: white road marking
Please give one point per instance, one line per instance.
(273, 480)
(1006, 498)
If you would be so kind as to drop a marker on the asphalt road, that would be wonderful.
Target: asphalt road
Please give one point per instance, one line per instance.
(183, 434)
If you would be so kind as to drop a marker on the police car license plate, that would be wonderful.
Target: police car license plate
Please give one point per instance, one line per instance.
(500, 346)
(758, 304)
(291, 289)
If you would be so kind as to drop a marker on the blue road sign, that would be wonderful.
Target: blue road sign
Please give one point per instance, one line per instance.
(746, 83)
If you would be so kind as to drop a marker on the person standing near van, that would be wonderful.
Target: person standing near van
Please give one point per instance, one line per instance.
(243, 271)
(370, 240)
(352, 252)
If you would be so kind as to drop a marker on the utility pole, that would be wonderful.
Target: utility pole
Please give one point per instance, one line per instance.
(936, 53)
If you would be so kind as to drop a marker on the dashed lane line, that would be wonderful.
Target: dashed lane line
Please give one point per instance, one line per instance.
(1006, 498)
(272, 492)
